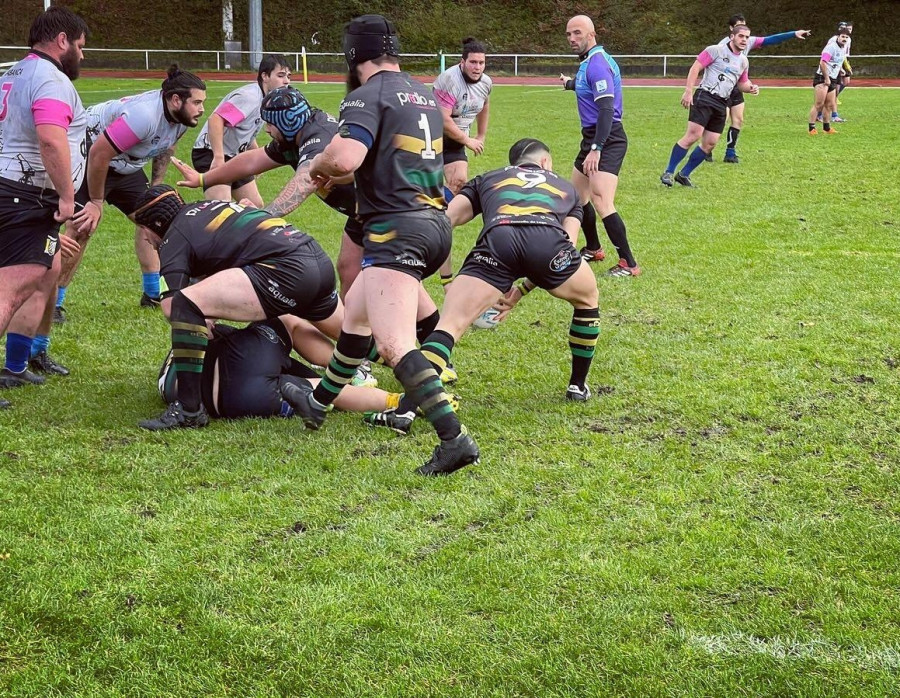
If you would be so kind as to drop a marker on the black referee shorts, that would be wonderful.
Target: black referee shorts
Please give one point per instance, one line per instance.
(613, 154)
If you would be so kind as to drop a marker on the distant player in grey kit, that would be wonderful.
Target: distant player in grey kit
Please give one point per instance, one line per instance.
(724, 67)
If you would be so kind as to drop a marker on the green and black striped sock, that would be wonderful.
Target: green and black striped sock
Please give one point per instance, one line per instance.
(583, 334)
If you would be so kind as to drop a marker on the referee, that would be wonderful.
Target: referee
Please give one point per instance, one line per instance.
(598, 91)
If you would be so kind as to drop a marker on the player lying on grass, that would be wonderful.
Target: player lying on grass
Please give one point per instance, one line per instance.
(530, 221)
(256, 267)
(244, 371)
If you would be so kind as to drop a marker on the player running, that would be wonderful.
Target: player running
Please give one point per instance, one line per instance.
(598, 92)
(463, 94)
(42, 125)
(724, 68)
(826, 81)
(233, 126)
(391, 141)
(530, 221)
(736, 98)
(256, 267)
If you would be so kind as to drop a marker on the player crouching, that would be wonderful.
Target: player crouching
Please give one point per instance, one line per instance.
(256, 267)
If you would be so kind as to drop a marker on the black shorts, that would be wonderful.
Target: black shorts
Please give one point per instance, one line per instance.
(708, 111)
(820, 80)
(543, 254)
(28, 232)
(122, 191)
(414, 242)
(613, 154)
(736, 97)
(299, 283)
(251, 364)
(454, 151)
(202, 158)
(354, 229)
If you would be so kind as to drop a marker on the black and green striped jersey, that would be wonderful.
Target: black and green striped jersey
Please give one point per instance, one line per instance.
(210, 236)
(398, 119)
(522, 195)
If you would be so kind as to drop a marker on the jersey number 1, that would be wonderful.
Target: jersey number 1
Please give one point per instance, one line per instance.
(428, 152)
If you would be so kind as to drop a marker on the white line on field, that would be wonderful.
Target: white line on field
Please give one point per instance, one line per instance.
(740, 644)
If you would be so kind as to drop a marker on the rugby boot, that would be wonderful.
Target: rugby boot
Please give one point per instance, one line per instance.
(363, 376)
(449, 375)
(59, 315)
(622, 269)
(42, 363)
(5, 404)
(450, 456)
(830, 131)
(176, 417)
(149, 301)
(597, 255)
(683, 180)
(577, 394)
(666, 179)
(813, 132)
(301, 399)
(400, 423)
(708, 158)
(733, 159)
(8, 379)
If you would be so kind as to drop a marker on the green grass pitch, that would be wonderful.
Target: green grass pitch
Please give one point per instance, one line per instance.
(722, 519)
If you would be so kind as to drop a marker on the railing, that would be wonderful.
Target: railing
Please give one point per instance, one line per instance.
(633, 65)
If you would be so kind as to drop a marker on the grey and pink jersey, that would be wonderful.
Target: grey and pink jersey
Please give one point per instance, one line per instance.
(722, 70)
(240, 112)
(465, 100)
(35, 92)
(834, 56)
(753, 42)
(136, 127)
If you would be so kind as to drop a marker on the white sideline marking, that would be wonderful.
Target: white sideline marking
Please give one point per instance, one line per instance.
(740, 644)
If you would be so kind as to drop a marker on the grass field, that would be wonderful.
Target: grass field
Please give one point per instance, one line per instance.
(721, 520)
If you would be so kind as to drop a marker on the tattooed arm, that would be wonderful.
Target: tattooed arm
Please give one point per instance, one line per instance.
(159, 167)
(295, 192)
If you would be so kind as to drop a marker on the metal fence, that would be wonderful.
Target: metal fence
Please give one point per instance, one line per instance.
(513, 64)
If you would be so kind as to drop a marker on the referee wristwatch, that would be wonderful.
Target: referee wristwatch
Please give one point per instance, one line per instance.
(595, 148)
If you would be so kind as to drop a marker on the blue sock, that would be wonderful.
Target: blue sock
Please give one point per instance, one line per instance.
(61, 295)
(730, 152)
(41, 342)
(18, 351)
(151, 283)
(677, 156)
(448, 195)
(697, 157)
(834, 115)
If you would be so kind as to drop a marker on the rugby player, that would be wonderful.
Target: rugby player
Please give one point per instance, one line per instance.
(846, 71)
(300, 132)
(826, 81)
(736, 98)
(256, 267)
(232, 129)
(724, 67)
(42, 127)
(530, 221)
(598, 93)
(391, 141)
(123, 136)
(244, 369)
(463, 94)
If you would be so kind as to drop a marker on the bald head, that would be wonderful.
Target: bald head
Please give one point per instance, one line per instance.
(580, 34)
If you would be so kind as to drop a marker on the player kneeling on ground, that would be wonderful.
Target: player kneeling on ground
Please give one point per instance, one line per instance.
(257, 267)
(531, 218)
(244, 371)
